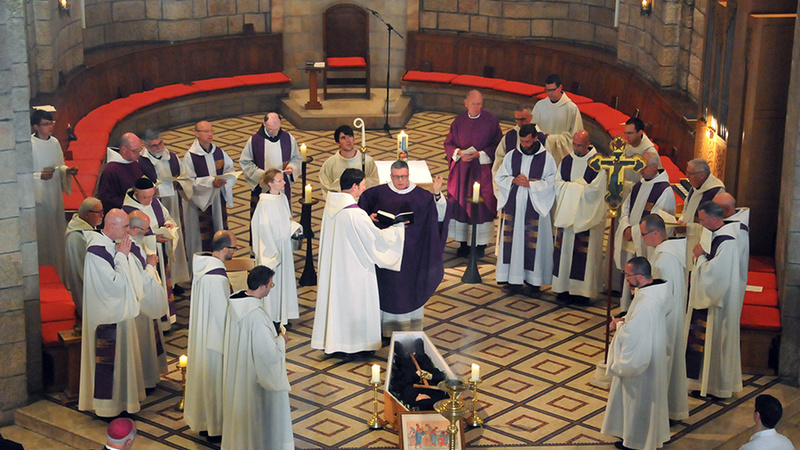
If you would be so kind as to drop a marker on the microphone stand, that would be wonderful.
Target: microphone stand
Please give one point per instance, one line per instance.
(389, 29)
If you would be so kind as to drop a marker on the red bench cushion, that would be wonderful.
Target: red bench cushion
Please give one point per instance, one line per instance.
(608, 117)
(577, 99)
(263, 78)
(476, 81)
(52, 292)
(429, 77)
(348, 61)
(214, 84)
(762, 264)
(56, 311)
(48, 274)
(515, 87)
(50, 331)
(675, 174)
(761, 318)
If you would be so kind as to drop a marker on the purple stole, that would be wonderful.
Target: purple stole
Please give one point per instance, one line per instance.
(531, 216)
(580, 249)
(655, 193)
(206, 218)
(707, 196)
(696, 340)
(257, 144)
(150, 170)
(221, 272)
(105, 343)
(200, 166)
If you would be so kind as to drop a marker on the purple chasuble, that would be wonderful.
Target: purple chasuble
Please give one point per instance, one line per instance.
(655, 194)
(257, 144)
(531, 216)
(115, 181)
(200, 166)
(422, 268)
(484, 134)
(707, 196)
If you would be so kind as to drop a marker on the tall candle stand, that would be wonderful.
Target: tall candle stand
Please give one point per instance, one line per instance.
(452, 408)
(475, 420)
(309, 275)
(471, 274)
(375, 422)
(179, 406)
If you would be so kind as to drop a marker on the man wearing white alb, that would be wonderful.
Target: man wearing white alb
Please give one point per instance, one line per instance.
(557, 116)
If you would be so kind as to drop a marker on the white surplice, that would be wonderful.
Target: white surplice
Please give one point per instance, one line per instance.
(348, 315)
(50, 222)
(637, 360)
(560, 120)
(742, 215)
(540, 196)
(667, 263)
(332, 169)
(271, 234)
(695, 233)
(109, 297)
(715, 285)
(76, 254)
(579, 207)
(256, 396)
(209, 303)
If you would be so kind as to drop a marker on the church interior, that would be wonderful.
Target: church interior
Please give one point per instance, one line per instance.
(710, 79)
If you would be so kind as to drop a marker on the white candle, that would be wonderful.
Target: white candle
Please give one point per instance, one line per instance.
(402, 142)
(308, 193)
(476, 192)
(183, 361)
(476, 373)
(303, 151)
(376, 373)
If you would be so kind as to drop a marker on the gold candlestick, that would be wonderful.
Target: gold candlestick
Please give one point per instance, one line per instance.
(375, 422)
(475, 420)
(179, 406)
(452, 408)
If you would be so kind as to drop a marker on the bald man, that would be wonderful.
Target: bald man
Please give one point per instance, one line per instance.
(121, 171)
(210, 168)
(270, 148)
(88, 217)
(111, 371)
(730, 213)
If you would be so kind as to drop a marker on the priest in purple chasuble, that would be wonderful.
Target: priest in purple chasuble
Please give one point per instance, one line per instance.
(207, 213)
(403, 294)
(470, 147)
(111, 370)
(159, 239)
(526, 192)
(579, 217)
(120, 173)
(270, 148)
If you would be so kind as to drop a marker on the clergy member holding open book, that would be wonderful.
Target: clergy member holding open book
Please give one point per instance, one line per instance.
(403, 294)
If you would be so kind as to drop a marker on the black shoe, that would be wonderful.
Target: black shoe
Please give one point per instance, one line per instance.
(534, 291)
(696, 394)
(463, 250)
(580, 300)
(149, 391)
(386, 341)
(563, 297)
(480, 251)
(621, 314)
(511, 288)
(177, 290)
(287, 325)
(204, 433)
(214, 439)
(672, 422)
(619, 445)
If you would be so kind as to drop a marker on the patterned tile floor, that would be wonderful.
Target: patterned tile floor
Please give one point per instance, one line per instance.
(536, 356)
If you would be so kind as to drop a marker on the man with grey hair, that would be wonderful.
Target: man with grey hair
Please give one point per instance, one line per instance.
(704, 187)
(713, 358)
(88, 217)
(121, 171)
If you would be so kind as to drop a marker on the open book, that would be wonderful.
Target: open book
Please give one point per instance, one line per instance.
(390, 219)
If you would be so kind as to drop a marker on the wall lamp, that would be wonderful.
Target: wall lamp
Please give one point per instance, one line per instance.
(63, 7)
(647, 7)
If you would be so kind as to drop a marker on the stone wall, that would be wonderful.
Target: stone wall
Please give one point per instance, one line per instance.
(121, 21)
(20, 341)
(787, 254)
(583, 21)
(55, 43)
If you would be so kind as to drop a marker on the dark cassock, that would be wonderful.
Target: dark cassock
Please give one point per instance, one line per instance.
(117, 177)
(483, 133)
(525, 251)
(403, 294)
(713, 357)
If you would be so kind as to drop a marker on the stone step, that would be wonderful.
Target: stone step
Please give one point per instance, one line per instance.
(31, 439)
(69, 427)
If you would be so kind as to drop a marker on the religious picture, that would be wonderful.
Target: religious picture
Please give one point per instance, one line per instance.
(426, 431)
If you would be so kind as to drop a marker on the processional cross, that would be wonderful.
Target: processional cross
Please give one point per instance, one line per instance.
(616, 165)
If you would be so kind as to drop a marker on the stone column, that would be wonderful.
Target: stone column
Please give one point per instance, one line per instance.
(20, 335)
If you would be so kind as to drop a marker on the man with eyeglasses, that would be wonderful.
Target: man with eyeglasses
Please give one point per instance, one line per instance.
(705, 186)
(121, 171)
(271, 147)
(87, 219)
(557, 116)
(257, 410)
(638, 144)
(51, 176)
(637, 409)
(210, 169)
(667, 263)
(403, 294)
(210, 291)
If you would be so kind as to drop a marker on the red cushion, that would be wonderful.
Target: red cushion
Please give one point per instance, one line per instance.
(429, 77)
(476, 81)
(761, 318)
(762, 264)
(55, 311)
(768, 297)
(349, 61)
(515, 87)
(48, 274)
(577, 99)
(263, 78)
(53, 293)
(608, 117)
(675, 174)
(73, 201)
(50, 331)
(91, 152)
(764, 279)
(174, 90)
(616, 131)
(215, 84)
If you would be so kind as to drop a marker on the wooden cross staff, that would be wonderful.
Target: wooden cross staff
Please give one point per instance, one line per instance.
(616, 165)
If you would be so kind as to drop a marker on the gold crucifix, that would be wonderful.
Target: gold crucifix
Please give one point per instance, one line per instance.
(616, 165)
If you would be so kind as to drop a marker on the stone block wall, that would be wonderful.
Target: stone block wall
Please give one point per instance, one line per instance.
(55, 43)
(120, 21)
(20, 341)
(583, 21)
